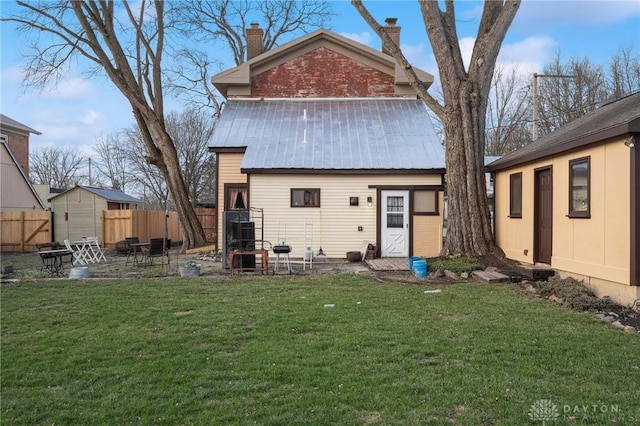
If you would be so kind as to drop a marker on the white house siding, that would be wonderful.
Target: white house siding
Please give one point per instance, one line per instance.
(335, 223)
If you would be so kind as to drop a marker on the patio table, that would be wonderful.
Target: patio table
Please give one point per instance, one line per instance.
(83, 247)
(52, 261)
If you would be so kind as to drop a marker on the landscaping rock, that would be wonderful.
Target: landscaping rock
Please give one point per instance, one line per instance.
(556, 299)
(464, 275)
(630, 329)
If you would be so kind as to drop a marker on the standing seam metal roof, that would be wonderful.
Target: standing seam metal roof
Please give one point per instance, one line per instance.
(330, 134)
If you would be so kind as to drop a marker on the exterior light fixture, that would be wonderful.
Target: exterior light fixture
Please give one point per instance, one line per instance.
(369, 201)
(629, 142)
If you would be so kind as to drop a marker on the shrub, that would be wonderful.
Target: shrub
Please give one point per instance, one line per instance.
(573, 293)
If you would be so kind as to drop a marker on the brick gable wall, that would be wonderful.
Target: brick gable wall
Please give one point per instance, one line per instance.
(322, 73)
(19, 145)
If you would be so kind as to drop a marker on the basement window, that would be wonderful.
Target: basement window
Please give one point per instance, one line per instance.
(579, 188)
(305, 197)
(515, 195)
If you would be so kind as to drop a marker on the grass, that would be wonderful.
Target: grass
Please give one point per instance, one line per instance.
(456, 264)
(268, 350)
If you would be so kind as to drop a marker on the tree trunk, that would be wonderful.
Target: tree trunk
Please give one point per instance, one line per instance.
(163, 154)
(463, 116)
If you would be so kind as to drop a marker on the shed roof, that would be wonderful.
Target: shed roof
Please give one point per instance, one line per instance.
(16, 125)
(113, 195)
(372, 134)
(610, 120)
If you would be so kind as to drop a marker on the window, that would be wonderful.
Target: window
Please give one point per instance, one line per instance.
(395, 212)
(579, 191)
(306, 197)
(425, 202)
(235, 197)
(515, 195)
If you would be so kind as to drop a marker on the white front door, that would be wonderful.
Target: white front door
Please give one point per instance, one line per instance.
(395, 224)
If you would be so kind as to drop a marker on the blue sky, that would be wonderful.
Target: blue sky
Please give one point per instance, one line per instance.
(79, 110)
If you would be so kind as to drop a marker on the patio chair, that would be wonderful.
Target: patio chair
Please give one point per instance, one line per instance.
(134, 249)
(96, 250)
(158, 247)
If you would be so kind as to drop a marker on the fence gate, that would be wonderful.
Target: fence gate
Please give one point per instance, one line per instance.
(20, 231)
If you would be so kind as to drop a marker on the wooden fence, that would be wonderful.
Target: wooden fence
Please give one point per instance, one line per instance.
(21, 231)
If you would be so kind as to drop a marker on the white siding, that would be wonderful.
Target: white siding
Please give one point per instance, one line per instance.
(335, 223)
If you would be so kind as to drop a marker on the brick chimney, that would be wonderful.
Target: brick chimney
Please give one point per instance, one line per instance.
(254, 40)
(393, 32)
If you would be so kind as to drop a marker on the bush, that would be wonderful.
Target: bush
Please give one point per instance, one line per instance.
(457, 264)
(573, 293)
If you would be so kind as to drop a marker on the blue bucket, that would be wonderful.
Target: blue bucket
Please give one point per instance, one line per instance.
(420, 268)
(412, 260)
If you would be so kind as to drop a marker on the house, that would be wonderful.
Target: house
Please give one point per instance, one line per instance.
(16, 191)
(571, 200)
(16, 135)
(326, 136)
(77, 212)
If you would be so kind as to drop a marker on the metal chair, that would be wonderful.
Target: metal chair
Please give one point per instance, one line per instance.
(134, 249)
(158, 247)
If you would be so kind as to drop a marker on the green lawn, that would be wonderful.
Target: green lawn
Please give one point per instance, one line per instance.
(268, 350)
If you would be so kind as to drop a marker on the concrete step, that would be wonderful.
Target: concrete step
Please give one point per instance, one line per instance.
(536, 272)
(490, 276)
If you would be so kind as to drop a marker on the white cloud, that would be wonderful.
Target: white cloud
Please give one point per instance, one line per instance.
(531, 54)
(91, 117)
(11, 75)
(546, 13)
(69, 89)
(363, 37)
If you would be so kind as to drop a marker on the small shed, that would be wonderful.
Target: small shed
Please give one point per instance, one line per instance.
(77, 212)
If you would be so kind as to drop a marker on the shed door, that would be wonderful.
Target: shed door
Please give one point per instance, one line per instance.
(543, 216)
(395, 224)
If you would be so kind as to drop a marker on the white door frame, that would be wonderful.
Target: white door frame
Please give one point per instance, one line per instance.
(395, 239)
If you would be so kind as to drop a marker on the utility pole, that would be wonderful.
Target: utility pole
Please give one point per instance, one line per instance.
(535, 99)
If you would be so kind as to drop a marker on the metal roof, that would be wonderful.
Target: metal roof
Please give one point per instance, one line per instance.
(330, 134)
(610, 120)
(114, 195)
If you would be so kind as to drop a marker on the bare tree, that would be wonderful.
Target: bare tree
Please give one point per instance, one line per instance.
(463, 114)
(508, 127)
(561, 100)
(225, 21)
(112, 161)
(57, 167)
(126, 43)
(191, 131)
(624, 73)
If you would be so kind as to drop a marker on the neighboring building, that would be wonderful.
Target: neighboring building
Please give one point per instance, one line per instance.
(77, 212)
(16, 135)
(16, 192)
(328, 138)
(46, 193)
(571, 200)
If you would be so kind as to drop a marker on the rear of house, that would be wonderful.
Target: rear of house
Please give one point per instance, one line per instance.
(326, 136)
(572, 200)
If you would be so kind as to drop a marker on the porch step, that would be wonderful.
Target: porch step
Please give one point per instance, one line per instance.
(490, 276)
(537, 272)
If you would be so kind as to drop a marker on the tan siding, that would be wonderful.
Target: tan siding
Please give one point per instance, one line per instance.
(335, 223)
(427, 233)
(597, 247)
(84, 213)
(228, 172)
